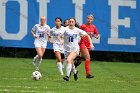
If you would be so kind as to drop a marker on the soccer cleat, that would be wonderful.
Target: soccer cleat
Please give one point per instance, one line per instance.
(66, 78)
(75, 76)
(89, 76)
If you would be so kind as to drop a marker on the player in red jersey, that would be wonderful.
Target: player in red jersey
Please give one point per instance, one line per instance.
(85, 44)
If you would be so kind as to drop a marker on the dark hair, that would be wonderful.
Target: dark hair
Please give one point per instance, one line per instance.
(73, 19)
(77, 25)
(65, 20)
(58, 18)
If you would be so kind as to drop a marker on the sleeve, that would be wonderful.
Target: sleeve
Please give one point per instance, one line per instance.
(81, 32)
(50, 32)
(34, 28)
(96, 31)
(82, 27)
(63, 30)
(48, 28)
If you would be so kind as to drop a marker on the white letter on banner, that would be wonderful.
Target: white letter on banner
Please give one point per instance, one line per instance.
(43, 8)
(115, 22)
(23, 21)
(79, 10)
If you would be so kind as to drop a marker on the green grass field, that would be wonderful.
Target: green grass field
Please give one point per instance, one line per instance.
(110, 77)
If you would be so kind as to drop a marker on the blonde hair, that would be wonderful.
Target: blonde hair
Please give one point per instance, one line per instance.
(91, 15)
(42, 17)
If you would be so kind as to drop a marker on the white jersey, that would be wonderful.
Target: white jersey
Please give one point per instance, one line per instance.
(40, 31)
(54, 32)
(71, 39)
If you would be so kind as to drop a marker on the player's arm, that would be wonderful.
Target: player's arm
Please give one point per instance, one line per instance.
(84, 34)
(96, 33)
(50, 37)
(60, 38)
(90, 41)
(33, 32)
(50, 40)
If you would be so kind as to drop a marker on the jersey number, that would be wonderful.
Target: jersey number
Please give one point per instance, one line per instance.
(41, 35)
(71, 38)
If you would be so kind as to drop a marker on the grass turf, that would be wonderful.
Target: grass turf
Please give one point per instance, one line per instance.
(110, 77)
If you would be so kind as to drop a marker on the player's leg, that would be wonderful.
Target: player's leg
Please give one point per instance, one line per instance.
(70, 58)
(86, 55)
(78, 59)
(63, 60)
(40, 52)
(59, 61)
(34, 60)
(43, 49)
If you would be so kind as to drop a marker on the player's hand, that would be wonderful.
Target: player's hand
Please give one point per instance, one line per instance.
(46, 32)
(96, 36)
(35, 36)
(92, 47)
(51, 42)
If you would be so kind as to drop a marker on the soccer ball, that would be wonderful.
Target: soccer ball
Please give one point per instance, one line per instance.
(36, 75)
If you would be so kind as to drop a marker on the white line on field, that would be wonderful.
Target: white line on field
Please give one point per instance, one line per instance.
(6, 90)
(27, 87)
(122, 81)
(13, 78)
(117, 81)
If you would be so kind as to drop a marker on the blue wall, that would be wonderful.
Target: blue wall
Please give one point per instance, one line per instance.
(118, 21)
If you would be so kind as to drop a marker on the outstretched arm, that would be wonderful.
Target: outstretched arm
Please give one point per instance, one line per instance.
(60, 38)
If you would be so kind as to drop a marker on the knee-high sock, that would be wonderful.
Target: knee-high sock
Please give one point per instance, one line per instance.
(59, 64)
(38, 62)
(68, 69)
(35, 58)
(87, 66)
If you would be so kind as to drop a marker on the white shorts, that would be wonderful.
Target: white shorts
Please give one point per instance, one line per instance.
(58, 47)
(40, 44)
(66, 53)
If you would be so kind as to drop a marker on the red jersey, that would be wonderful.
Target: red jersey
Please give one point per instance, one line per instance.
(91, 31)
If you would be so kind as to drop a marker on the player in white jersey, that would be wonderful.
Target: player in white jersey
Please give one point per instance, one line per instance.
(58, 43)
(72, 36)
(40, 33)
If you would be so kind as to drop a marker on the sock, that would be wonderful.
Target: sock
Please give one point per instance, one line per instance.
(59, 64)
(74, 69)
(87, 66)
(38, 62)
(68, 69)
(35, 58)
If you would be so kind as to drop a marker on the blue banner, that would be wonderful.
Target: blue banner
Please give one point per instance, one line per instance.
(117, 21)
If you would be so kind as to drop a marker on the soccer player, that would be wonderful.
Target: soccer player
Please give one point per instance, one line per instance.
(58, 43)
(84, 44)
(72, 35)
(40, 33)
(66, 22)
